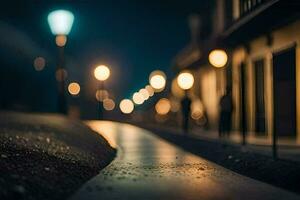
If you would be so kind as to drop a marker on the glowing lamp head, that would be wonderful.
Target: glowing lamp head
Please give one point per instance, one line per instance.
(218, 58)
(126, 106)
(157, 80)
(74, 88)
(138, 98)
(101, 72)
(163, 106)
(185, 80)
(60, 22)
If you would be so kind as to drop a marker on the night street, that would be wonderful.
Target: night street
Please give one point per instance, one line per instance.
(160, 99)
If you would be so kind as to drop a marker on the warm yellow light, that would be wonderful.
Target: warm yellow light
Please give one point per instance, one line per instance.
(163, 106)
(157, 80)
(126, 106)
(150, 90)
(175, 105)
(185, 80)
(39, 63)
(101, 95)
(144, 93)
(74, 88)
(108, 104)
(218, 58)
(101, 72)
(60, 40)
(138, 98)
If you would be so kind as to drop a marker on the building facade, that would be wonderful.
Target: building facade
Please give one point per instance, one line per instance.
(262, 39)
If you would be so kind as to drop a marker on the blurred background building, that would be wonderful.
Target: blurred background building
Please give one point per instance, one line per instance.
(261, 38)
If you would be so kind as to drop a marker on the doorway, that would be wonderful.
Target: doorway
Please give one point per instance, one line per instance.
(284, 80)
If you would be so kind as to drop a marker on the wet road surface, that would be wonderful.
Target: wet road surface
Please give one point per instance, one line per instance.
(148, 167)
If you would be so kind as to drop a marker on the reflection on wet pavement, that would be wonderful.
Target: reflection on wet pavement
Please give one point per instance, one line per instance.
(148, 167)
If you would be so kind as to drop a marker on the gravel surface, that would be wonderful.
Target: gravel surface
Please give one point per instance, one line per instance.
(47, 156)
(280, 173)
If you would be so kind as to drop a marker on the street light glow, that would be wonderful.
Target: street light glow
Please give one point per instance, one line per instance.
(101, 72)
(138, 98)
(101, 95)
(185, 80)
(163, 106)
(108, 104)
(74, 88)
(150, 90)
(218, 58)
(60, 40)
(60, 22)
(126, 106)
(157, 80)
(39, 63)
(144, 93)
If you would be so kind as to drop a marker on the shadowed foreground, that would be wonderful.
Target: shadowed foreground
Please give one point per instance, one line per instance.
(148, 167)
(47, 156)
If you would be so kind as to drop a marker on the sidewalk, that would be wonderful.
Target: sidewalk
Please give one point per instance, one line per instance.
(287, 149)
(148, 167)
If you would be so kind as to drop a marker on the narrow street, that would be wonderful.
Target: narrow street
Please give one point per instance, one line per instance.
(148, 167)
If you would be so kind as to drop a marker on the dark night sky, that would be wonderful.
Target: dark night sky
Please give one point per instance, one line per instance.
(133, 37)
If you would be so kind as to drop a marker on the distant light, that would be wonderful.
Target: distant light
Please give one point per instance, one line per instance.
(101, 72)
(163, 106)
(144, 93)
(74, 88)
(61, 74)
(185, 80)
(39, 63)
(218, 58)
(101, 95)
(60, 22)
(157, 80)
(60, 40)
(150, 90)
(108, 104)
(126, 106)
(138, 98)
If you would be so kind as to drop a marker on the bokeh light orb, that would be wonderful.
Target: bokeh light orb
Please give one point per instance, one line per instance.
(60, 22)
(39, 63)
(108, 104)
(163, 106)
(138, 98)
(218, 58)
(74, 88)
(101, 95)
(60, 40)
(157, 80)
(150, 90)
(126, 106)
(101, 72)
(144, 93)
(185, 80)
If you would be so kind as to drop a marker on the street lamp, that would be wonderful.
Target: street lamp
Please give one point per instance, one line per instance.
(157, 80)
(101, 73)
(185, 80)
(218, 58)
(60, 22)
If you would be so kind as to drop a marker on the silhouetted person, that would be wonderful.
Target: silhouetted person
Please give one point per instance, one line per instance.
(225, 113)
(186, 110)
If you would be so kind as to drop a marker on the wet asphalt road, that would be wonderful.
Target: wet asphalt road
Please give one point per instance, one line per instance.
(148, 167)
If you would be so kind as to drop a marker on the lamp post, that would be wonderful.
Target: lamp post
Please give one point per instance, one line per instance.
(185, 81)
(60, 22)
(101, 73)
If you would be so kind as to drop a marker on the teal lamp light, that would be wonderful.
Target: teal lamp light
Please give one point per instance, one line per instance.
(60, 22)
